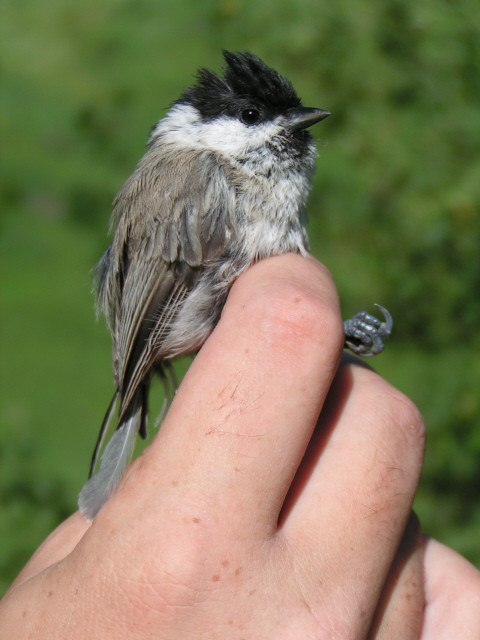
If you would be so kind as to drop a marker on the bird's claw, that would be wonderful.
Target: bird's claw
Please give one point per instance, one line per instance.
(364, 333)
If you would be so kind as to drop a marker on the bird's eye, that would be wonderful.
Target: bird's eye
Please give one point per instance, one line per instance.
(250, 116)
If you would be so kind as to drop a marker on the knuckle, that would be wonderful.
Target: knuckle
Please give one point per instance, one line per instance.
(290, 299)
(400, 410)
(297, 316)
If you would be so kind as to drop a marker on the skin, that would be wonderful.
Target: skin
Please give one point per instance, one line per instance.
(275, 501)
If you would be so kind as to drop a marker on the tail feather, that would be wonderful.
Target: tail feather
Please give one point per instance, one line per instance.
(103, 432)
(114, 461)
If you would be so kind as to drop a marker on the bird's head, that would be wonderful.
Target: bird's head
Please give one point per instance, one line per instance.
(251, 115)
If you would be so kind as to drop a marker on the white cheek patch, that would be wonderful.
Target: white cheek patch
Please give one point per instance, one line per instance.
(180, 124)
(233, 138)
(183, 126)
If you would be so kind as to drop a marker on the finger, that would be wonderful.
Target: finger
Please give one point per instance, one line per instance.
(399, 614)
(245, 411)
(55, 548)
(452, 595)
(359, 476)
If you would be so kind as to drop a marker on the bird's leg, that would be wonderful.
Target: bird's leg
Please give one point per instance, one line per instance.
(364, 333)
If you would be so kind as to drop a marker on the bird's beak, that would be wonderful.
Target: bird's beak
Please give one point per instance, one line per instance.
(303, 117)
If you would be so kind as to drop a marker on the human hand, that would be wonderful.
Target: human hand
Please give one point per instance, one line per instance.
(273, 502)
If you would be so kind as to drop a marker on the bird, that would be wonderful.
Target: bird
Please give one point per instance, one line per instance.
(223, 183)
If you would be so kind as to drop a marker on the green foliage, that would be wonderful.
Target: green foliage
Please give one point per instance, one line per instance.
(394, 212)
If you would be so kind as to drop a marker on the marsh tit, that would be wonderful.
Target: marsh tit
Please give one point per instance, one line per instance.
(223, 183)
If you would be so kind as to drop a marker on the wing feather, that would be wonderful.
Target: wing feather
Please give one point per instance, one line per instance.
(164, 233)
(148, 344)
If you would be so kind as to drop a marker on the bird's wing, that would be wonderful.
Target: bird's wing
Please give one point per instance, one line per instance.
(164, 234)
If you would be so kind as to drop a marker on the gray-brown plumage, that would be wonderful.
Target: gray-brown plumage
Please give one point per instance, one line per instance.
(223, 183)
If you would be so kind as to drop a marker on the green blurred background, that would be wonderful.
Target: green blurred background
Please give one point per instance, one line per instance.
(394, 212)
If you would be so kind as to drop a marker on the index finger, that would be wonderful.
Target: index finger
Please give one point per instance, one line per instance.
(246, 409)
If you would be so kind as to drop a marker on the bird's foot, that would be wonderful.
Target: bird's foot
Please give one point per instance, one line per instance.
(364, 333)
